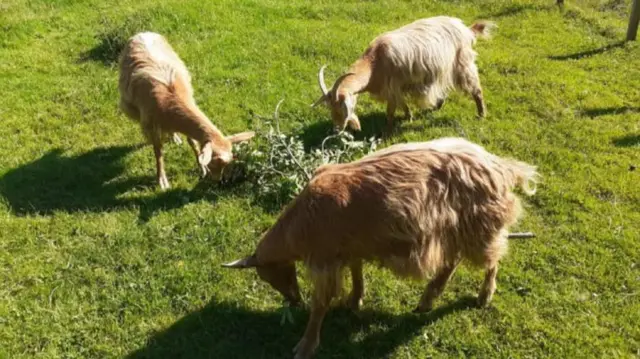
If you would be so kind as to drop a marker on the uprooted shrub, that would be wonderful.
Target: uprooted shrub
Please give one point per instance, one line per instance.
(277, 165)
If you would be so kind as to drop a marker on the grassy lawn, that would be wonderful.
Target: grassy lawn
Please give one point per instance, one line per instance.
(97, 262)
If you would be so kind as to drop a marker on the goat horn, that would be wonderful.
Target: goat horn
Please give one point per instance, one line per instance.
(246, 262)
(323, 85)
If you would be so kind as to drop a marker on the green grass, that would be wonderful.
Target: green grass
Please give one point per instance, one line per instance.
(96, 262)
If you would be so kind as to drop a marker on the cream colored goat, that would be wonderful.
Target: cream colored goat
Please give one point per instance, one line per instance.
(423, 61)
(155, 90)
(417, 208)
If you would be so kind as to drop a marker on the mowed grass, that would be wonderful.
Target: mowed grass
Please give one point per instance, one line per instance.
(97, 262)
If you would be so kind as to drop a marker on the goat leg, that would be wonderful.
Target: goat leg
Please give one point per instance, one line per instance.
(311, 339)
(391, 110)
(357, 292)
(157, 150)
(325, 284)
(478, 98)
(488, 287)
(194, 146)
(435, 288)
(407, 112)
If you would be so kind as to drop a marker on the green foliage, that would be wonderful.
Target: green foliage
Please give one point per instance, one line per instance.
(278, 165)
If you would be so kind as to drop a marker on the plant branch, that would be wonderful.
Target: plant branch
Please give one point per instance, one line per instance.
(286, 146)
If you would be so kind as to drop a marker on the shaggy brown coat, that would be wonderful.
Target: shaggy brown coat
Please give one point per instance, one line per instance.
(417, 209)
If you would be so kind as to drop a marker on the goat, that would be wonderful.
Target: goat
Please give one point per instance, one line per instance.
(416, 208)
(423, 60)
(155, 90)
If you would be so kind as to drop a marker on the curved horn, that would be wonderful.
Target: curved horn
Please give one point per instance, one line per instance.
(246, 262)
(323, 85)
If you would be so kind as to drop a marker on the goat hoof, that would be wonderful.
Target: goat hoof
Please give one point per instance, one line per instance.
(483, 301)
(439, 104)
(164, 183)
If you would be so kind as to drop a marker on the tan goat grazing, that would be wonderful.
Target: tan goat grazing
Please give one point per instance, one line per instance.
(155, 90)
(417, 209)
(423, 61)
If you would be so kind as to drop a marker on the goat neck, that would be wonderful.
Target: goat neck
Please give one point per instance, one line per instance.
(188, 119)
(282, 242)
(357, 78)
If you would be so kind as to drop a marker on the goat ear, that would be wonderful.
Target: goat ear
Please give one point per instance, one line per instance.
(246, 262)
(241, 137)
(205, 154)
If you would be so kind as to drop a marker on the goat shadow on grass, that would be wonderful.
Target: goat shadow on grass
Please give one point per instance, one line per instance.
(113, 39)
(224, 330)
(597, 112)
(588, 53)
(372, 125)
(510, 11)
(86, 182)
(107, 51)
(627, 141)
(431, 122)
(91, 182)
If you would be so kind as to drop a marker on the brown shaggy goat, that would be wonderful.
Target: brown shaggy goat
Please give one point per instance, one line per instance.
(417, 209)
(155, 90)
(421, 61)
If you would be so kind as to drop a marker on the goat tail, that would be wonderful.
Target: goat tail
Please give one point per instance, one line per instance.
(482, 29)
(522, 175)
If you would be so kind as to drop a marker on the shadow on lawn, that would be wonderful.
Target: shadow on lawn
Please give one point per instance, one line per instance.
(588, 53)
(510, 11)
(627, 141)
(374, 124)
(107, 51)
(113, 39)
(87, 182)
(597, 112)
(222, 330)
(90, 182)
